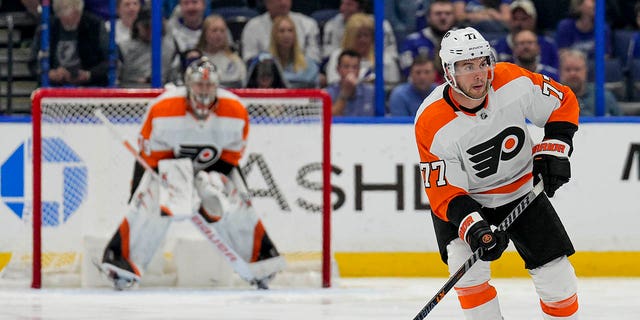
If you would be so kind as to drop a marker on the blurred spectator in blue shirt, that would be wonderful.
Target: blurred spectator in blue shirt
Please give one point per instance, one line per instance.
(484, 15)
(426, 42)
(578, 33)
(300, 71)
(406, 16)
(523, 17)
(407, 97)
(526, 54)
(350, 96)
(573, 73)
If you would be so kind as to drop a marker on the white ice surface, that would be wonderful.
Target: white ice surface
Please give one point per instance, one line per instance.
(352, 299)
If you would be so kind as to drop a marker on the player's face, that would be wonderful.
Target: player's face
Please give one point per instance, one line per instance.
(472, 76)
(203, 94)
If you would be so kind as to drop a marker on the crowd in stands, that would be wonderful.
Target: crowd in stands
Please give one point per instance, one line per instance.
(330, 44)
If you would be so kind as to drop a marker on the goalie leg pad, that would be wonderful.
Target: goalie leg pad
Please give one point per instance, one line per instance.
(177, 195)
(142, 231)
(557, 286)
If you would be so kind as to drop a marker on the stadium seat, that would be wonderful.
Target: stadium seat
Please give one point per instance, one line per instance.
(614, 77)
(236, 18)
(323, 15)
(634, 79)
(620, 45)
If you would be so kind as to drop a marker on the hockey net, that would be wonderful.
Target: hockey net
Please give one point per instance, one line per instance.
(81, 182)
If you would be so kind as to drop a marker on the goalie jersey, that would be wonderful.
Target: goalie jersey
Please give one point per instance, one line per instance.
(168, 125)
(486, 153)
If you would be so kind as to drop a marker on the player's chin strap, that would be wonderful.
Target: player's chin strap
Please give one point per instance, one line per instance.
(451, 80)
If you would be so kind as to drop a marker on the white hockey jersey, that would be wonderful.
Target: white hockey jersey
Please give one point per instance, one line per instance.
(487, 154)
(168, 124)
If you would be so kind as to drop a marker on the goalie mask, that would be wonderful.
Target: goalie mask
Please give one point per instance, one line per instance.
(201, 79)
(466, 44)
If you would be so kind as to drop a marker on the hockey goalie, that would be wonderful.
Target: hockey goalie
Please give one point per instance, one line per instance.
(190, 146)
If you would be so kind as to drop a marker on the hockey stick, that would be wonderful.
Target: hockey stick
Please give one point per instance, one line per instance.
(238, 264)
(504, 225)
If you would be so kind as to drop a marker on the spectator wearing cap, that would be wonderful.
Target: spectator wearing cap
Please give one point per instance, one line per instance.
(578, 31)
(135, 54)
(526, 54)
(523, 17)
(426, 42)
(406, 98)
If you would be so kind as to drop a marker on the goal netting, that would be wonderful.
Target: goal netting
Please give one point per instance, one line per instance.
(81, 180)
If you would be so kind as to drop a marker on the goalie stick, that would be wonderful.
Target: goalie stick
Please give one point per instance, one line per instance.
(240, 266)
(504, 225)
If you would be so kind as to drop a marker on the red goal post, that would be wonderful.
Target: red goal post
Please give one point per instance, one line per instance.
(62, 107)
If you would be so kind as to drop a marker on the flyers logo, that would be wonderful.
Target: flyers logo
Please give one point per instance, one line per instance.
(504, 146)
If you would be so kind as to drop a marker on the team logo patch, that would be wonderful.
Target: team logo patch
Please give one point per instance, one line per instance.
(487, 238)
(487, 155)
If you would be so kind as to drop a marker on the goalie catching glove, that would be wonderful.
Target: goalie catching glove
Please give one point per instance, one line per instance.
(476, 232)
(551, 161)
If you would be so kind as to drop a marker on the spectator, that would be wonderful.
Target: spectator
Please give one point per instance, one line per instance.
(406, 98)
(214, 43)
(426, 42)
(578, 32)
(526, 54)
(185, 24)
(350, 95)
(127, 13)
(135, 54)
(358, 36)
(573, 73)
(78, 46)
(334, 28)
(406, 16)
(299, 70)
(265, 72)
(253, 36)
(485, 15)
(523, 17)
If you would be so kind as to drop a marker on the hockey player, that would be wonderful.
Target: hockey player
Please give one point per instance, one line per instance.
(477, 161)
(209, 126)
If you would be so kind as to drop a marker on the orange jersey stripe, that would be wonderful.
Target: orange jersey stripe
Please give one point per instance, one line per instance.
(562, 308)
(510, 187)
(471, 297)
(436, 116)
(569, 109)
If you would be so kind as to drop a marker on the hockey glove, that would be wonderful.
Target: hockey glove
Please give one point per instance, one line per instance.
(203, 156)
(551, 161)
(476, 232)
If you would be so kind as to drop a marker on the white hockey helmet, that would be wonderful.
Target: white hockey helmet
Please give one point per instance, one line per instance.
(201, 79)
(464, 44)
